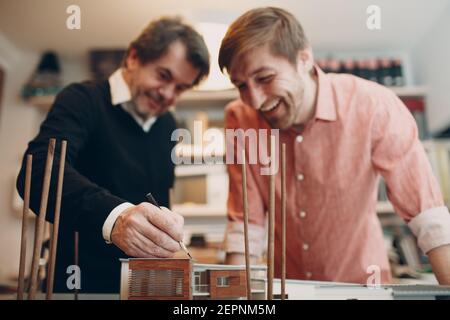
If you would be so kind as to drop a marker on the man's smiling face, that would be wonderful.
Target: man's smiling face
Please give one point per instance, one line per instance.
(270, 84)
(156, 85)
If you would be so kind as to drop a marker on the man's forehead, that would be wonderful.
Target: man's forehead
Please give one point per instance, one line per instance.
(238, 77)
(185, 76)
(175, 62)
(251, 62)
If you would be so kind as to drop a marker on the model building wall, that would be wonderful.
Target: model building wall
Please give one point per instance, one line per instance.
(167, 279)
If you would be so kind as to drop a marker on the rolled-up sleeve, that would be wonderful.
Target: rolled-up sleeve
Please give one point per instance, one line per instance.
(234, 234)
(432, 228)
(412, 188)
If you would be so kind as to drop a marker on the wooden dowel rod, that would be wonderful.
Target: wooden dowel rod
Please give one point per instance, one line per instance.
(45, 253)
(271, 225)
(246, 246)
(55, 230)
(171, 198)
(75, 258)
(23, 239)
(41, 219)
(283, 221)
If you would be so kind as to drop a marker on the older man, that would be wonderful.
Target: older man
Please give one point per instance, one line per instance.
(119, 149)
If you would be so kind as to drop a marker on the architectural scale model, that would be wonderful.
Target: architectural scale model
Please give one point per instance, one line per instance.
(167, 279)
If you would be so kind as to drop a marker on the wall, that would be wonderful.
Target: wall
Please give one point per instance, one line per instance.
(432, 68)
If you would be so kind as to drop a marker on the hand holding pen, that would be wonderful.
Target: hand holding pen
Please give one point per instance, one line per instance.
(147, 231)
(182, 245)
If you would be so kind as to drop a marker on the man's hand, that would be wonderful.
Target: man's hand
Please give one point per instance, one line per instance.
(145, 231)
(440, 262)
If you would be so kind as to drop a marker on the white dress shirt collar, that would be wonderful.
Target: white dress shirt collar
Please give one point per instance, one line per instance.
(121, 95)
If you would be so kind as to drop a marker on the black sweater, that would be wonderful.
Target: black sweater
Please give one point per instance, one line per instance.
(110, 160)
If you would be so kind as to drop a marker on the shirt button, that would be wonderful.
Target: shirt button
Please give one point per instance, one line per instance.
(299, 139)
(302, 214)
(300, 177)
(308, 275)
(305, 246)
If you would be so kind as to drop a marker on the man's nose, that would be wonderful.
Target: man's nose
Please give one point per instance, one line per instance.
(255, 97)
(167, 92)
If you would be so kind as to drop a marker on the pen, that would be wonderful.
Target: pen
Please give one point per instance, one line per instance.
(153, 202)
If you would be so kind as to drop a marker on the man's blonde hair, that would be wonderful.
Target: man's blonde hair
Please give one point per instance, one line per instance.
(274, 27)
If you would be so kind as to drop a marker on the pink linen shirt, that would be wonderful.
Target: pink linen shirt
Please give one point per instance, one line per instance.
(360, 130)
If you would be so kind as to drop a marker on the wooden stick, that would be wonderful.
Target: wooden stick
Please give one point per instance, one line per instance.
(283, 221)
(55, 230)
(171, 198)
(247, 251)
(41, 219)
(75, 258)
(271, 226)
(45, 252)
(23, 239)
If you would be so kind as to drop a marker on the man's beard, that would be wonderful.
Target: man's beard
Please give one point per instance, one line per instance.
(142, 109)
(284, 120)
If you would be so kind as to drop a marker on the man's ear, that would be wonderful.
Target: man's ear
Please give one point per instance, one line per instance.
(132, 59)
(305, 60)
